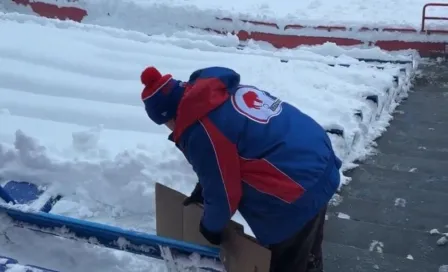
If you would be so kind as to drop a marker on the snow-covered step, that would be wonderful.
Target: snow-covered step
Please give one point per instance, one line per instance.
(390, 212)
(344, 258)
(386, 239)
(372, 176)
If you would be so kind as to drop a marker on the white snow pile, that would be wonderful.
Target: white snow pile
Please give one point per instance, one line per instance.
(72, 119)
(94, 96)
(151, 15)
(443, 240)
(343, 215)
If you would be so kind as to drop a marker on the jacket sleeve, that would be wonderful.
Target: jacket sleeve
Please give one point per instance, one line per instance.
(216, 162)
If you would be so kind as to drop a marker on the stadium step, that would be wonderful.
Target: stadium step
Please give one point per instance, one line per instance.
(386, 239)
(409, 164)
(425, 140)
(391, 214)
(413, 147)
(351, 259)
(371, 176)
(410, 202)
(419, 131)
(398, 195)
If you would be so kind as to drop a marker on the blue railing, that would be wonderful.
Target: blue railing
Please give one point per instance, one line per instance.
(108, 236)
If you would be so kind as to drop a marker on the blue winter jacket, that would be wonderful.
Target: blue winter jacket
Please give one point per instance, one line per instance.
(254, 153)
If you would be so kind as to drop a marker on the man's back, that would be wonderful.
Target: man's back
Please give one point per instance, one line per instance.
(284, 155)
(277, 132)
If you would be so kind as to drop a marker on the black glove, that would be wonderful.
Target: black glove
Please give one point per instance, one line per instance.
(214, 238)
(195, 197)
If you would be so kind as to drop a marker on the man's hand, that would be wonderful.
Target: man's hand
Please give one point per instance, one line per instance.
(195, 197)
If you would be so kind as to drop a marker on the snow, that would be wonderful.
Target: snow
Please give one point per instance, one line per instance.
(376, 246)
(308, 12)
(313, 10)
(442, 241)
(343, 216)
(150, 17)
(400, 202)
(345, 12)
(434, 231)
(72, 120)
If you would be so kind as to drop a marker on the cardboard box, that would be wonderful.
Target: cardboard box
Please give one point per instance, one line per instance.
(239, 252)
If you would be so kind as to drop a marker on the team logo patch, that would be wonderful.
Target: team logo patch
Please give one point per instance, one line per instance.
(259, 106)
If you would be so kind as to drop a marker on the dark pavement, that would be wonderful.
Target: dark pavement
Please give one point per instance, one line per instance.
(397, 196)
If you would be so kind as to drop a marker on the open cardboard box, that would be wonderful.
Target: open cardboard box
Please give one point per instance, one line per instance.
(239, 252)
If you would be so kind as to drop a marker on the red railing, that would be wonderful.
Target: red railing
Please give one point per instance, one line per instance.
(424, 18)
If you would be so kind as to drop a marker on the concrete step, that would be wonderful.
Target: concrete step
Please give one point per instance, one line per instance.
(414, 140)
(421, 130)
(421, 121)
(386, 239)
(426, 119)
(387, 213)
(423, 95)
(411, 168)
(412, 147)
(434, 75)
(409, 164)
(371, 176)
(424, 106)
(342, 258)
(415, 199)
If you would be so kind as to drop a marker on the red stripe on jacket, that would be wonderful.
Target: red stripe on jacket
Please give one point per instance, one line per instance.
(266, 178)
(228, 163)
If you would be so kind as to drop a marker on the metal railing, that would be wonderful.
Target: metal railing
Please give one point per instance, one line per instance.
(424, 18)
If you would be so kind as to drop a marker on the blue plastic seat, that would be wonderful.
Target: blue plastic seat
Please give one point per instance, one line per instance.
(4, 261)
(22, 192)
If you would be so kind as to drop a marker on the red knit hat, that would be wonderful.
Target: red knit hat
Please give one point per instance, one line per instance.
(161, 95)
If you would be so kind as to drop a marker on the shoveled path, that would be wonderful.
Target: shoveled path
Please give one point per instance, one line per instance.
(397, 196)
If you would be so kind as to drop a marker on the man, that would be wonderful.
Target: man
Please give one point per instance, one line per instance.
(254, 153)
